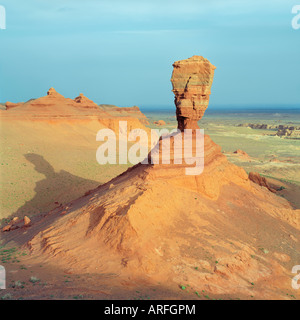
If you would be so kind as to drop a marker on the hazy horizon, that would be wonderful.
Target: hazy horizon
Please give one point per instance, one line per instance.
(258, 107)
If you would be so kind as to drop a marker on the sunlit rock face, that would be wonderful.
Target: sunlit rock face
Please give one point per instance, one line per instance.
(191, 79)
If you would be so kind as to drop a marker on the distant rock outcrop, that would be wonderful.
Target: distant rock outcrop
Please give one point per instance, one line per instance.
(52, 93)
(192, 80)
(258, 126)
(55, 107)
(84, 102)
(160, 123)
(11, 105)
(134, 112)
(53, 104)
(241, 154)
(288, 131)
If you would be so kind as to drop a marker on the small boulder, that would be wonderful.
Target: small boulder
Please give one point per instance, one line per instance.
(26, 221)
(7, 228)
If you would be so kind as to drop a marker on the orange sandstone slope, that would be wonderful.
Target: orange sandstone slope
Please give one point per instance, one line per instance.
(218, 231)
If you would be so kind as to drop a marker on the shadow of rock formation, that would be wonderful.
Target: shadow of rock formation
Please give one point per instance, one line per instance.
(55, 189)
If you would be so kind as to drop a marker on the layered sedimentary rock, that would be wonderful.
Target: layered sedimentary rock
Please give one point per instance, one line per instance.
(10, 105)
(55, 107)
(192, 80)
(53, 104)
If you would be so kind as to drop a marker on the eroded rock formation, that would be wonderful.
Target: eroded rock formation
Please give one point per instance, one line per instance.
(261, 181)
(191, 79)
(55, 107)
(85, 102)
(154, 222)
(52, 93)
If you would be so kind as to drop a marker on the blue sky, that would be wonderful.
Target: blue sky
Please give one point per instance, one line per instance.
(121, 52)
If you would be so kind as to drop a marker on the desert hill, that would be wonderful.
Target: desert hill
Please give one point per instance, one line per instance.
(55, 108)
(53, 104)
(217, 232)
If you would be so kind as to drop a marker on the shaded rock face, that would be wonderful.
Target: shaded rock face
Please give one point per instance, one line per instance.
(258, 126)
(261, 181)
(191, 79)
(292, 132)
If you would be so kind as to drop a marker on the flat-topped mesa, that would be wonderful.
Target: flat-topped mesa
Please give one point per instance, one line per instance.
(191, 79)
